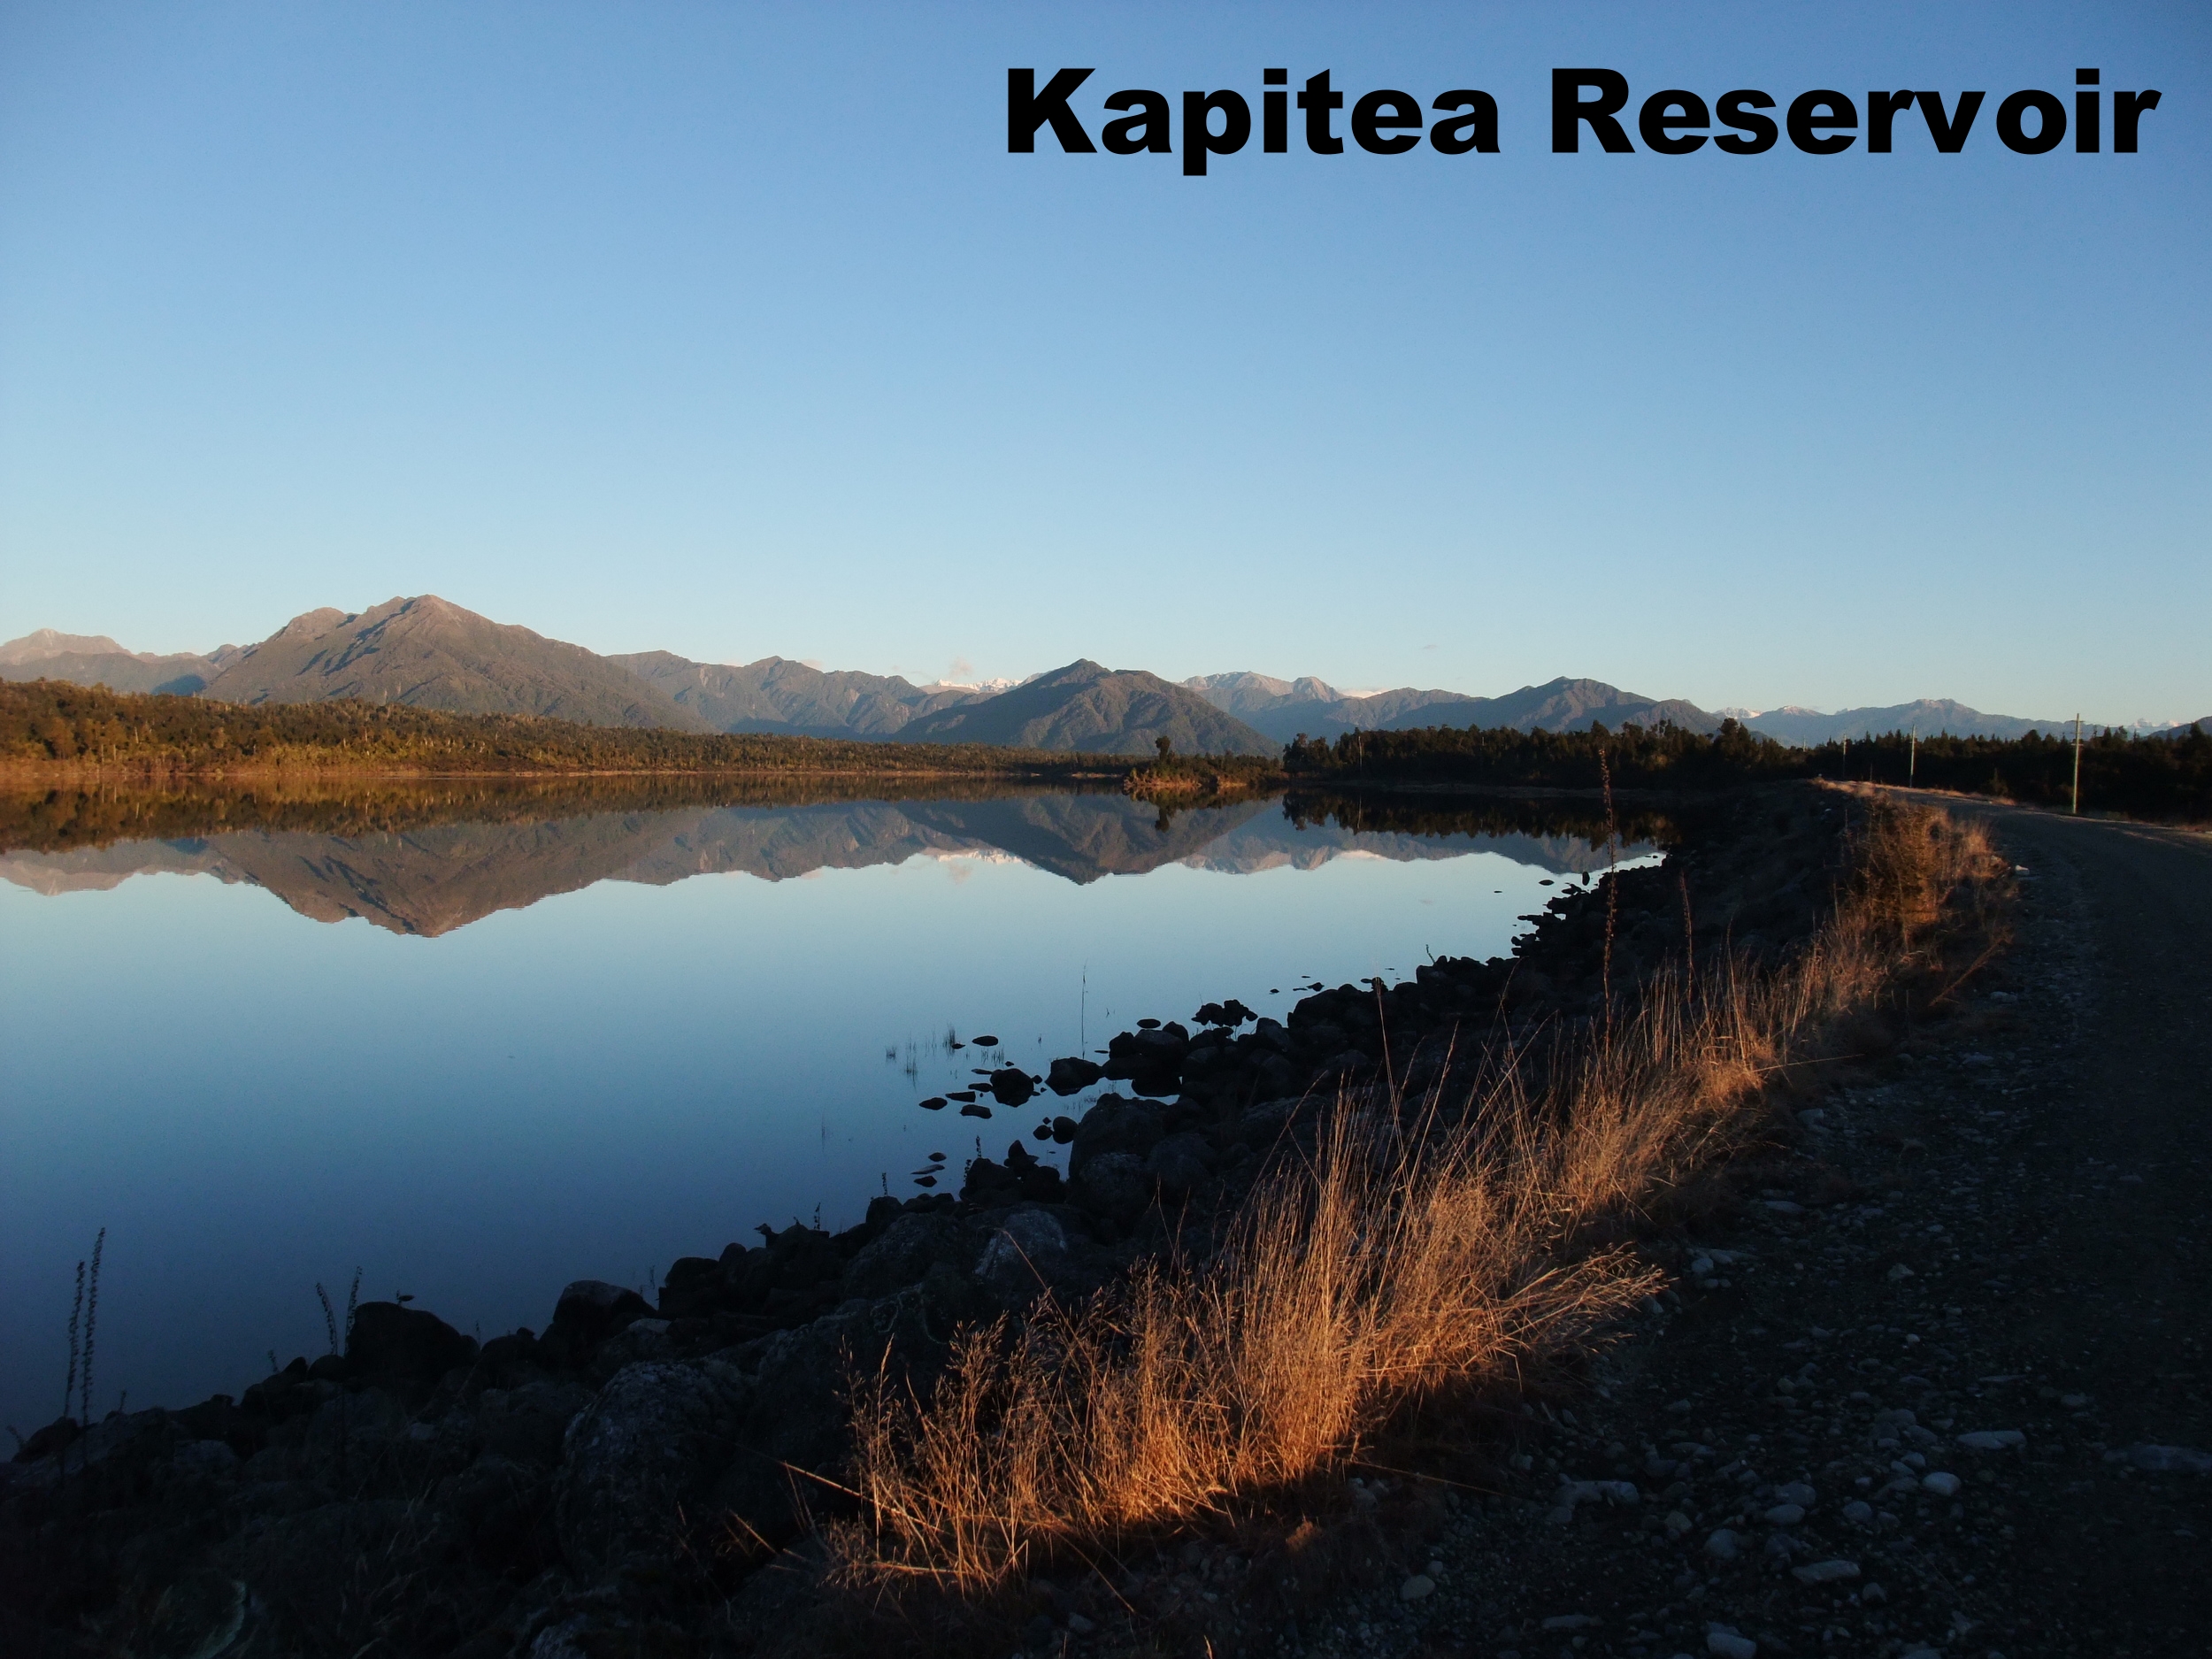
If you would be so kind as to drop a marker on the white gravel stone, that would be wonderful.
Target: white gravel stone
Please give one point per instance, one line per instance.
(1416, 1587)
(1942, 1482)
(1724, 1545)
(1728, 1644)
(1993, 1440)
(1785, 1515)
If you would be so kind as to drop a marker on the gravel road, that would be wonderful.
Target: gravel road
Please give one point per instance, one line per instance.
(1936, 1385)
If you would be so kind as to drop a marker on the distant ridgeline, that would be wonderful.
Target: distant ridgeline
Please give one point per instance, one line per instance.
(2158, 775)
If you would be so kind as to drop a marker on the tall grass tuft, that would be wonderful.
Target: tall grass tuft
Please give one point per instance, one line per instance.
(1423, 1246)
(91, 1321)
(338, 1338)
(76, 1352)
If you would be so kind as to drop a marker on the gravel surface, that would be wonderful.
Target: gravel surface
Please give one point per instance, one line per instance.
(1935, 1384)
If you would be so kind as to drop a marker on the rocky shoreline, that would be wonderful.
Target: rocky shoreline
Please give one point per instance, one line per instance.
(1928, 1381)
(613, 1482)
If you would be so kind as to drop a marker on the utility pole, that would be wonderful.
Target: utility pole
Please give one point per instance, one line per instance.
(2074, 811)
(1912, 758)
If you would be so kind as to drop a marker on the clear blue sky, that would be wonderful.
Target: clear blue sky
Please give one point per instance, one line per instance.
(734, 330)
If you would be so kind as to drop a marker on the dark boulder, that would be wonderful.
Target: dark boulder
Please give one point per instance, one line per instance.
(1317, 1038)
(1181, 1163)
(404, 1349)
(588, 1312)
(1011, 1086)
(1348, 1067)
(638, 1341)
(1264, 1123)
(1071, 1074)
(642, 1457)
(691, 1289)
(905, 1252)
(799, 1419)
(1028, 1253)
(1116, 1124)
(882, 1212)
(1040, 1183)
(784, 1277)
(530, 1423)
(1149, 1058)
(44, 1443)
(502, 1508)
(990, 1184)
(1113, 1185)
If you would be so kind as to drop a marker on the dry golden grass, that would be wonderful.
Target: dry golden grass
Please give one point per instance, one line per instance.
(1425, 1245)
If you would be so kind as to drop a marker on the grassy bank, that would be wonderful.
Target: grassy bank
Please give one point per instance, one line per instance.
(1421, 1247)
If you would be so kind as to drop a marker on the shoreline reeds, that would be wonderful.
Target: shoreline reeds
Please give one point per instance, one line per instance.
(1417, 1246)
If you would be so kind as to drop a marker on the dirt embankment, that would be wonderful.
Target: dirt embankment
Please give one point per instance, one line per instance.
(1933, 1382)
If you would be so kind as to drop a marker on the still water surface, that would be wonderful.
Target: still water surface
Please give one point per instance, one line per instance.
(481, 1059)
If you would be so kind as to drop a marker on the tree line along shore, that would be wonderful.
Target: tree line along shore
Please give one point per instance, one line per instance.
(49, 724)
(49, 727)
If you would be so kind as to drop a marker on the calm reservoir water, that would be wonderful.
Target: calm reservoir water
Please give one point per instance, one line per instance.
(479, 1058)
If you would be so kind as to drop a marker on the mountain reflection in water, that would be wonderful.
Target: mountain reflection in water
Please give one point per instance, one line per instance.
(483, 1097)
(435, 876)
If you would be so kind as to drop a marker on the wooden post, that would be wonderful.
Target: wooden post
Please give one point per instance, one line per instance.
(2074, 809)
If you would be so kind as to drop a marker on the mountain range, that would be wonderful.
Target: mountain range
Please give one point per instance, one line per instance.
(429, 652)
(94, 659)
(1286, 709)
(1927, 717)
(777, 694)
